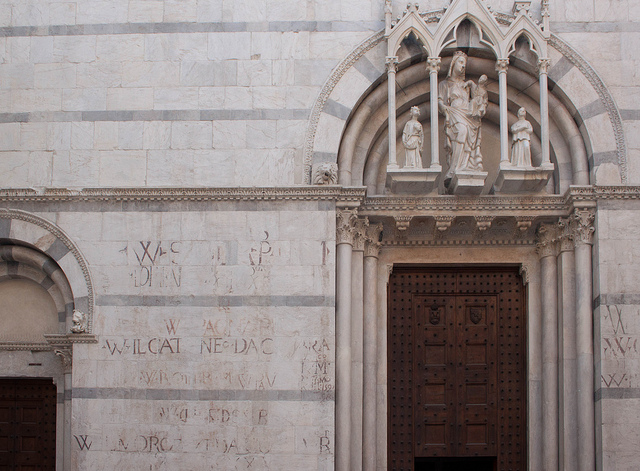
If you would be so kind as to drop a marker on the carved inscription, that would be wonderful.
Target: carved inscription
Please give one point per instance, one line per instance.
(142, 346)
(83, 442)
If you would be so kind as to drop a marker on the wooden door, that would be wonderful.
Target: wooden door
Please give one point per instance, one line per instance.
(456, 368)
(27, 424)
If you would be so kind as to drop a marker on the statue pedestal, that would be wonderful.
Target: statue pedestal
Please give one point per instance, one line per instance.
(414, 181)
(467, 183)
(522, 179)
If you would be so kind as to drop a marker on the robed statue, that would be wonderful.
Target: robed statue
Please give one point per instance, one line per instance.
(463, 104)
(412, 139)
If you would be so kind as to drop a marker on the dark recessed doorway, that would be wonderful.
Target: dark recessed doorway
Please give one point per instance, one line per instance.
(456, 369)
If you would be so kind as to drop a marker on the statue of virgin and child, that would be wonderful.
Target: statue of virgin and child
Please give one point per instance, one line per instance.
(463, 104)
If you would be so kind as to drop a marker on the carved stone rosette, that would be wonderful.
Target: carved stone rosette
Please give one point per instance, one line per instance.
(372, 240)
(360, 233)
(582, 222)
(345, 225)
(547, 243)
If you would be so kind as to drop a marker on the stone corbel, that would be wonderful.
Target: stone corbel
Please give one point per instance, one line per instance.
(483, 222)
(402, 223)
(345, 225)
(523, 223)
(525, 269)
(443, 223)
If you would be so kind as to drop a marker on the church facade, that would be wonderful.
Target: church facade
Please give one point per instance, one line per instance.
(347, 235)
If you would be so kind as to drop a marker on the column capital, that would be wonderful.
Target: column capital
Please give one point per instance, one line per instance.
(565, 235)
(433, 64)
(65, 354)
(583, 219)
(360, 234)
(372, 240)
(345, 225)
(546, 243)
(502, 65)
(392, 64)
(543, 65)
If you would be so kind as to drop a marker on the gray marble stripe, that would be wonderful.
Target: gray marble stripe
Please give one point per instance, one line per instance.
(559, 70)
(155, 115)
(46, 283)
(201, 395)
(222, 27)
(5, 227)
(336, 109)
(57, 250)
(594, 108)
(598, 158)
(616, 298)
(215, 301)
(630, 115)
(595, 27)
(324, 157)
(366, 68)
(617, 393)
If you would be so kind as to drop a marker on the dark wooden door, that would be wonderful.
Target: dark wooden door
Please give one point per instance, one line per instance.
(456, 368)
(27, 424)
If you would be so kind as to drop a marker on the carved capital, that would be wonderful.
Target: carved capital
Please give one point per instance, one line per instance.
(543, 66)
(66, 356)
(372, 240)
(524, 273)
(547, 245)
(565, 235)
(360, 233)
(392, 64)
(345, 226)
(583, 229)
(502, 65)
(433, 64)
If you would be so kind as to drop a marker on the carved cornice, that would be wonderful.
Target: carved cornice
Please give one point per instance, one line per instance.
(373, 244)
(543, 65)
(310, 137)
(604, 94)
(345, 225)
(302, 193)
(442, 242)
(547, 241)
(360, 234)
(582, 222)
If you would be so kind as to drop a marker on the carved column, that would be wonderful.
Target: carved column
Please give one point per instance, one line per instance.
(543, 67)
(345, 228)
(583, 230)
(567, 348)
(357, 287)
(433, 66)
(369, 435)
(65, 352)
(501, 68)
(392, 67)
(547, 250)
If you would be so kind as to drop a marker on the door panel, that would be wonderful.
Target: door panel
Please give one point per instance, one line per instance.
(27, 424)
(456, 367)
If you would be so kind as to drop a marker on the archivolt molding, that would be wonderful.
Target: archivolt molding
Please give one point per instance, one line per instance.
(327, 88)
(69, 244)
(607, 100)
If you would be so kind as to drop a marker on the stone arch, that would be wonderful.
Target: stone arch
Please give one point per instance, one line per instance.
(587, 104)
(41, 244)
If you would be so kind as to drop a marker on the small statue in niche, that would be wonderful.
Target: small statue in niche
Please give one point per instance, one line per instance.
(462, 127)
(80, 322)
(521, 147)
(412, 139)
